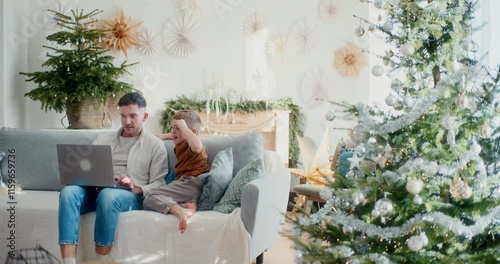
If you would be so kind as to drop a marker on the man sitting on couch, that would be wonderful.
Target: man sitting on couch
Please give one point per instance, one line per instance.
(140, 164)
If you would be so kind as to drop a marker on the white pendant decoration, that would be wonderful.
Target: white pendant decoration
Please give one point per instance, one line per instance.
(387, 26)
(278, 48)
(359, 31)
(377, 70)
(313, 86)
(485, 130)
(462, 101)
(149, 42)
(414, 186)
(415, 243)
(253, 26)
(190, 7)
(408, 101)
(181, 36)
(330, 116)
(379, 3)
(328, 11)
(390, 100)
(303, 35)
(455, 66)
(407, 49)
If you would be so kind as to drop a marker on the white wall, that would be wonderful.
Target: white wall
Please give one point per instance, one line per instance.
(224, 51)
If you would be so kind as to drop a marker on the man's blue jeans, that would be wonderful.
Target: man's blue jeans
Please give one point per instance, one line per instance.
(107, 202)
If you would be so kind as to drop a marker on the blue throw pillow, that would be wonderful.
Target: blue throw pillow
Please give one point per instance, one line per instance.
(216, 180)
(232, 197)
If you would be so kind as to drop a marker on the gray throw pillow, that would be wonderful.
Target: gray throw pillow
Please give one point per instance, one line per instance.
(216, 180)
(232, 197)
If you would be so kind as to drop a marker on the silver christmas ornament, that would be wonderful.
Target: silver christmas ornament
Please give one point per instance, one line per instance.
(387, 26)
(326, 193)
(377, 70)
(384, 206)
(474, 47)
(379, 3)
(390, 100)
(330, 116)
(359, 31)
(396, 84)
(375, 213)
(357, 197)
(360, 149)
(485, 131)
(398, 106)
(407, 49)
(462, 101)
(359, 133)
(408, 101)
(414, 186)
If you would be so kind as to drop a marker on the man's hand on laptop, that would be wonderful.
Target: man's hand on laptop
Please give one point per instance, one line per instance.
(126, 182)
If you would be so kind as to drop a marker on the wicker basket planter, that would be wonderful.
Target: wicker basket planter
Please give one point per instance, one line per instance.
(89, 114)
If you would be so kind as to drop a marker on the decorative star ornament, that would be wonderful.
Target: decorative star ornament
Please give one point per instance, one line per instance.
(316, 168)
(121, 33)
(354, 160)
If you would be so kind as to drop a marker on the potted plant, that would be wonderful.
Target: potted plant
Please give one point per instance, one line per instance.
(81, 78)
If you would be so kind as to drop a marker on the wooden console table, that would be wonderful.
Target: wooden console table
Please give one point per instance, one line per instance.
(273, 125)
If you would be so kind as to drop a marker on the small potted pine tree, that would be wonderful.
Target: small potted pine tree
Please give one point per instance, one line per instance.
(81, 78)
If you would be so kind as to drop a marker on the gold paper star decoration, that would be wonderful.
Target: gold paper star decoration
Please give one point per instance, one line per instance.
(121, 33)
(350, 60)
(316, 167)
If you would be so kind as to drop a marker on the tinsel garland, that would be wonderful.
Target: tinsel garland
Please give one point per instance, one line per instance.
(372, 230)
(422, 105)
(433, 168)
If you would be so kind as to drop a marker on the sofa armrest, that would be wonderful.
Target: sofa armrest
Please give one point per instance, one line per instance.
(263, 205)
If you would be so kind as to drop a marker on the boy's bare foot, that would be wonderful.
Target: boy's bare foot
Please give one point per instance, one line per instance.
(183, 213)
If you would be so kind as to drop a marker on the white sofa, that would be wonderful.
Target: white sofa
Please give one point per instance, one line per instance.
(142, 236)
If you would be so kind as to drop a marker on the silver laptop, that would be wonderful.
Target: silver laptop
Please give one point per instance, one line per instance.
(85, 165)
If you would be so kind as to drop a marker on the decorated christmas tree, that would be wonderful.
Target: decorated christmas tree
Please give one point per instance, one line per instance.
(423, 183)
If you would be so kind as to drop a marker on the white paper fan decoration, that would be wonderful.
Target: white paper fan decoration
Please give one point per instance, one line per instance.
(328, 10)
(314, 85)
(151, 82)
(278, 47)
(181, 36)
(149, 42)
(253, 26)
(190, 7)
(302, 33)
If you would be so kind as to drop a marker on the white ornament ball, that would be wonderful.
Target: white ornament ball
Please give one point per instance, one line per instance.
(377, 70)
(387, 26)
(390, 100)
(466, 192)
(326, 193)
(330, 116)
(384, 206)
(485, 131)
(407, 49)
(359, 31)
(408, 101)
(415, 243)
(379, 3)
(462, 101)
(417, 200)
(414, 186)
(455, 66)
(375, 213)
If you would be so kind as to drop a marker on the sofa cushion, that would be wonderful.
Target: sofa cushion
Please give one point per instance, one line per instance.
(246, 148)
(232, 196)
(216, 181)
(343, 163)
(35, 154)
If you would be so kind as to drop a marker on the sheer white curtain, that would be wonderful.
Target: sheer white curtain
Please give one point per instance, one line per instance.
(488, 37)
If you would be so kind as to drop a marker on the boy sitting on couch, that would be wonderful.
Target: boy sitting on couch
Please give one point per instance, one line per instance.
(180, 196)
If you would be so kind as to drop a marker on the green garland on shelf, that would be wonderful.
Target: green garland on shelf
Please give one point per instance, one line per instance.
(296, 116)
